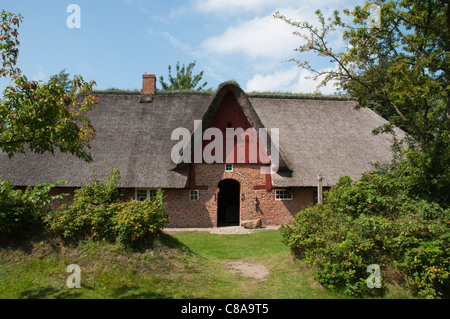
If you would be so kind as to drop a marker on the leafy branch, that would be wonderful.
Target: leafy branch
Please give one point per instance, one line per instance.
(184, 79)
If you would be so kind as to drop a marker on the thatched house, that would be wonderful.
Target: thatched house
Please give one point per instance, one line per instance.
(319, 135)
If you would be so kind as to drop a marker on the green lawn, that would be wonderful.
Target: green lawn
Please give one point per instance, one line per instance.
(179, 265)
(288, 278)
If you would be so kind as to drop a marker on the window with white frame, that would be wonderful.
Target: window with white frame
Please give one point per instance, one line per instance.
(143, 194)
(228, 167)
(283, 194)
(193, 195)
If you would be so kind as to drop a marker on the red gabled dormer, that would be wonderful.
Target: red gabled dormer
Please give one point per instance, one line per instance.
(247, 147)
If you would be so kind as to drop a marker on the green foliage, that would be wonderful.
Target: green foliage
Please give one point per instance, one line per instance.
(63, 78)
(135, 221)
(9, 42)
(373, 221)
(184, 80)
(98, 213)
(41, 117)
(74, 224)
(21, 212)
(90, 214)
(399, 68)
(413, 172)
(97, 192)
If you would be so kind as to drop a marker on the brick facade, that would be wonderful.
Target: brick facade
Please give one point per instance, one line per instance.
(254, 203)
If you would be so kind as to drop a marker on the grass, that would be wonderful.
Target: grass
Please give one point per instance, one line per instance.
(288, 278)
(181, 265)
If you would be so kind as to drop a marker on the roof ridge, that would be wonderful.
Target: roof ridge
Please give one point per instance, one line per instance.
(268, 95)
(299, 96)
(115, 92)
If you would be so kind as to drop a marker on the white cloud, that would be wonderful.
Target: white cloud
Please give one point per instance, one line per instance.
(266, 36)
(259, 37)
(277, 81)
(292, 80)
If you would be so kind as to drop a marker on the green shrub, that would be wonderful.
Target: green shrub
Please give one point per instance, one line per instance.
(21, 212)
(80, 221)
(135, 221)
(90, 214)
(98, 213)
(97, 193)
(371, 221)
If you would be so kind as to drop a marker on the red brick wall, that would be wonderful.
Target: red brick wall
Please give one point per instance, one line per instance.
(256, 204)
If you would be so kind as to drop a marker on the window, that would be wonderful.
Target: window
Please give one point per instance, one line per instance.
(193, 195)
(151, 194)
(283, 194)
(228, 167)
(143, 194)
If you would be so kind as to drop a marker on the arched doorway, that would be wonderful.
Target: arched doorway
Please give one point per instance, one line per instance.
(228, 204)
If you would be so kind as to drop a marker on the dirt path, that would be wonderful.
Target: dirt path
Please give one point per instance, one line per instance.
(246, 269)
(231, 230)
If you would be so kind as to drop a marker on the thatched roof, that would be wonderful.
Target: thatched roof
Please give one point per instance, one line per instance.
(317, 136)
(328, 137)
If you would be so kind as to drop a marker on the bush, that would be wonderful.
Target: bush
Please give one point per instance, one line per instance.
(135, 221)
(98, 213)
(90, 214)
(98, 193)
(21, 212)
(371, 221)
(80, 221)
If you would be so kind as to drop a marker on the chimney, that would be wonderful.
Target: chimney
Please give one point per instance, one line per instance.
(148, 83)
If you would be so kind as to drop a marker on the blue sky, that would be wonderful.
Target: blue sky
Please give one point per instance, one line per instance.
(119, 40)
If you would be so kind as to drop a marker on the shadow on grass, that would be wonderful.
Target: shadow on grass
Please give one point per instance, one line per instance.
(133, 292)
(123, 292)
(49, 292)
(26, 244)
(161, 239)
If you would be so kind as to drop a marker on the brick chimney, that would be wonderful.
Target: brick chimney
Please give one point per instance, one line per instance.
(148, 83)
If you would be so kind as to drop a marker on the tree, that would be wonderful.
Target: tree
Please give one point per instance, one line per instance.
(41, 117)
(184, 79)
(399, 67)
(63, 78)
